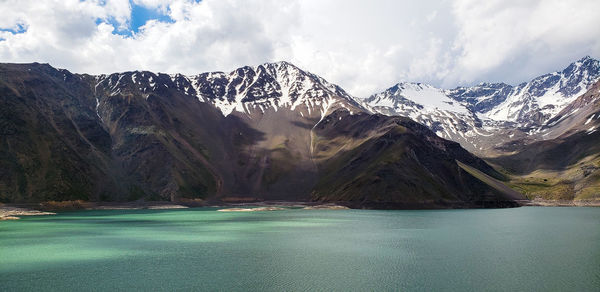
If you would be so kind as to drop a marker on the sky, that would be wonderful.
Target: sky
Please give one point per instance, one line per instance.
(363, 46)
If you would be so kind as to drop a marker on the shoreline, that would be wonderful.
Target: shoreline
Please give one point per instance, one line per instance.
(14, 211)
(560, 203)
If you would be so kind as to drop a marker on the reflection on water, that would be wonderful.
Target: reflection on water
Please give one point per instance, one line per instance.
(527, 249)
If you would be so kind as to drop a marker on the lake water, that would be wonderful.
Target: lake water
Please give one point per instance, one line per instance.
(521, 249)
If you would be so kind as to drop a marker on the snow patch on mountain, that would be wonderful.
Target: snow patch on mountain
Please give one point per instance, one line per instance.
(423, 96)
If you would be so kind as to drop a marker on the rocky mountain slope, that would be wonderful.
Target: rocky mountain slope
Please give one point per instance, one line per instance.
(267, 132)
(387, 162)
(565, 165)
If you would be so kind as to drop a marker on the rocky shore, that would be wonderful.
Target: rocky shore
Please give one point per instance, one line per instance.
(326, 207)
(561, 203)
(13, 213)
(251, 209)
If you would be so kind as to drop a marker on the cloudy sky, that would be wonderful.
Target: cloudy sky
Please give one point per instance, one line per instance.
(364, 46)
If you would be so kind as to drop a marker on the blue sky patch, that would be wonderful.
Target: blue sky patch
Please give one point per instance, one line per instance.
(140, 15)
(19, 28)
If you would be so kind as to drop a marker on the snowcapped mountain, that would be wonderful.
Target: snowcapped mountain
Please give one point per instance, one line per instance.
(413, 98)
(271, 85)
(537, 101)
(580, 116)
(564, 161)
(487, 115)
(268, 115)
(435, 108)
(246, 90)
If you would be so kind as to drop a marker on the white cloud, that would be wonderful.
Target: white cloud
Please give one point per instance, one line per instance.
(361, 45)
(152, 3)
(514, 40)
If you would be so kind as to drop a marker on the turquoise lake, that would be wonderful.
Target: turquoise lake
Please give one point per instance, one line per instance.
(520, 249)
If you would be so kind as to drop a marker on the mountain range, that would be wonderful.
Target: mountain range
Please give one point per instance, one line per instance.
(541, 133)
(276, 132)
(488, 117)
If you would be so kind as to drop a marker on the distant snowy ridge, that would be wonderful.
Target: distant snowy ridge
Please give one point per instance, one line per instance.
(426, 96)
(431, 107)
(471, 115)
(542, 98)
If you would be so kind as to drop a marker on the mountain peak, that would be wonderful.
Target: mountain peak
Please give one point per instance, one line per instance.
(586, 59)
(537, 101)
(268, 86)
(585, 63)
(280, 64)
(410, 97)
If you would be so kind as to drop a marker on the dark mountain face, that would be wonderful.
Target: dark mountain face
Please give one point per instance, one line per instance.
(376, 160)
(481, 98)
(576, 76)
(159, 137)
(266, 132)
(52, 145)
